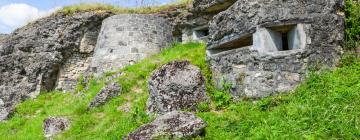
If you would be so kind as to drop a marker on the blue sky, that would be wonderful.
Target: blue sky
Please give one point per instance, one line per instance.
(16, 13)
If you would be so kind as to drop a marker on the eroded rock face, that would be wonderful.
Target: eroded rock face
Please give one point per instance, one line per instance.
(173, 124)
(55, 125)
(265, 47)
(211, 6)
(108, 92)
(175, 86)
(32, 56)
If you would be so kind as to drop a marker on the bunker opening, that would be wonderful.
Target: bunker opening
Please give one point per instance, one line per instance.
(201, 33)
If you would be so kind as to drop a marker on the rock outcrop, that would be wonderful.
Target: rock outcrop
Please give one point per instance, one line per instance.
(55, 125)
(175, 86)
(265, 47)
(211, 6)
(32, 56)
(171, 125)
(108, 92)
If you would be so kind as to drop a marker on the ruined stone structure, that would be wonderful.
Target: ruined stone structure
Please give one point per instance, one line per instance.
(192, 23)
(78, 63)
(125, 39)
(263, 47)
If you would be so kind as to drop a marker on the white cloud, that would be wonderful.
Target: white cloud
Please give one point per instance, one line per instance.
(15, 15)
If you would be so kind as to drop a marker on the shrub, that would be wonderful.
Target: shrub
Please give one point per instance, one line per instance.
(352, 22)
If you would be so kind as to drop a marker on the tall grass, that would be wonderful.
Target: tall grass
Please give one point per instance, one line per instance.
(116, 9)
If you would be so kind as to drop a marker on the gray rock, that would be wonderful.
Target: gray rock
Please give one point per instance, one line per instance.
(3, 111)
(55, 125)
(32, 57)
(108, 92)
(211, 6)
(175, 86)
(172, 125)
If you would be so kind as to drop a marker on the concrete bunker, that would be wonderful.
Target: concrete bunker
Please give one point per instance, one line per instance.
(267, 54)
(198, 33)
(201, 33)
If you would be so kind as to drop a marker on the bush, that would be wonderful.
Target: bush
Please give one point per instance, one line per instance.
(352, 22)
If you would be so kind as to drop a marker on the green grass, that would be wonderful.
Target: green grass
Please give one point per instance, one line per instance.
(326, 106)
(99, 7)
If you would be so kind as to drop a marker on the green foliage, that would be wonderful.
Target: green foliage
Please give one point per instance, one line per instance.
(81, 84)
(352, 31)
(203, 107)
(221, 99)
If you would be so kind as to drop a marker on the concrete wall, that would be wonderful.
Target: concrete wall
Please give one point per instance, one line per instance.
(125, 39)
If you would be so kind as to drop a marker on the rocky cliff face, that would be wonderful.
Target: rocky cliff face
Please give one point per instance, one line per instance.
(32, 56)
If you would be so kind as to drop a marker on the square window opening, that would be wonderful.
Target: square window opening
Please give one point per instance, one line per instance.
(285, 37)
(201, 33)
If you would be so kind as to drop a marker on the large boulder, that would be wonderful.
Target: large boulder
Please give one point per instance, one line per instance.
(55, 125)
(108, 92)
(32, 57)
(173, 124)
(175, 86)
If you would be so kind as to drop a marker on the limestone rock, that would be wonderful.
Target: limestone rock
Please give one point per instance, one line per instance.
(173, 124)
(3, 111)
(32, 56)
(108, 92)
(55, 125)
(211, 6)
(175, 86)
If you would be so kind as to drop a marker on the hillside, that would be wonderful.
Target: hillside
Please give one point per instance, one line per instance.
(204, 70)
(325, 106)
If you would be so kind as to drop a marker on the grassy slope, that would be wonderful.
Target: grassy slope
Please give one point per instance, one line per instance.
(138, 10)
(105, 122)
(326, 105)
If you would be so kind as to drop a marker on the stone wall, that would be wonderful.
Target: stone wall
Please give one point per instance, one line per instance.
(125, 39)
(79, 63)
(260, 48)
